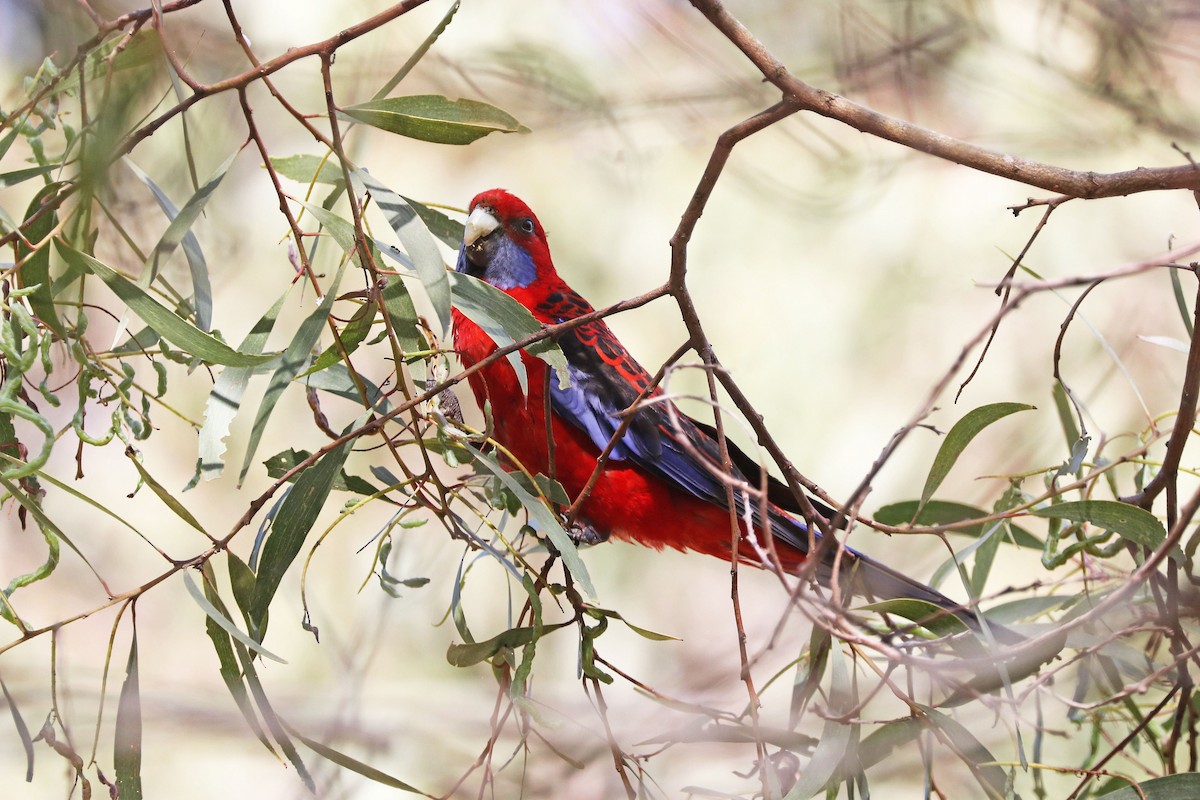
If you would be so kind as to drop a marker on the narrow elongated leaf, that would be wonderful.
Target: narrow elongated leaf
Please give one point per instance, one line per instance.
(22, 731)
(271, 719)
(836, 738)
(928, 615)
(353, 335)
(398, 305)
(1183, 786)
(506, 321)
(352, 764)
(35, 271)
(960, 436)
(21, 175)
(225, 399)
(168, 499)
(166, 323)
(223, 621)
(293, 361)
(180, 230)
(449, 231)
(308, 169)
(435, 118)
(231, 673)
(127, 745)
(465, 655)
(547, 523)
(941, 512)
(1129, 522)
(417, 243)
(292, 524)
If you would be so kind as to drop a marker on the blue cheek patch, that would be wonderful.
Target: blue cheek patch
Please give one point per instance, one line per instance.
(511, 266)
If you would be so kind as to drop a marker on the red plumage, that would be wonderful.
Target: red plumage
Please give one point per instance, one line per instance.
(660, 486)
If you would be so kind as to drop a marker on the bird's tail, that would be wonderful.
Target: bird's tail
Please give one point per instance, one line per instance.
(862, 575)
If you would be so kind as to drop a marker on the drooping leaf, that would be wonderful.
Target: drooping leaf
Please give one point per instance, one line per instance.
(225, 399)
(505, 321)
(166, 323)
(941, 512)
(35, 269)
(465, 655)
(223, 621)
(22, 730)
(127, 744)
(353, 335)
(180, 230)
(308, 169)
(1129, 522)
(435, 118)
(546, 522)
(449, 231)
(295, 518)
(290, 365)
(417, 243)
(837, 739)
(928, 615)
(1181, 786)
(230, 670)
(352, 764)
(169, 500)
(960, 436)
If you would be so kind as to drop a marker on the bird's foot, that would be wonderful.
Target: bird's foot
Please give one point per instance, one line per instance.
(582, 533)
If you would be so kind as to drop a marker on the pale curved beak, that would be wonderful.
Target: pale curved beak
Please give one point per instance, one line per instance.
(479, 224)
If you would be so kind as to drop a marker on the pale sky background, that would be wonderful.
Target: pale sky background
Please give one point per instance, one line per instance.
(837, 276)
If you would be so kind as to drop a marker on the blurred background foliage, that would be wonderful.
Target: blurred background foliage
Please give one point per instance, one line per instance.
(838, 277)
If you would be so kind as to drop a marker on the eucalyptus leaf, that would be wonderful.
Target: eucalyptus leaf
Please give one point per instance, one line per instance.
(435, 118)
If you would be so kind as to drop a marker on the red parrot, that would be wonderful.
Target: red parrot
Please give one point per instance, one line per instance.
(654, 489)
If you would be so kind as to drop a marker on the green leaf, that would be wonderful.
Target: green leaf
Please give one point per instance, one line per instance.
(22, 731)
(353, 335)
(231, 673)
(837, 741)
(1182, 786)
(927, 615)
(1066, 417)
(465, 655)
(223, 621)
(435, 118)
(398, 305)
(645, 633)
(449, 231)
(127, 739)
(506, 321)
(960, 436)
(180, 230)
(166, 323)
(309, 169)
(162, 493)
(295, 518)
(1129, 522)
(294, 358)
(417, 243)
(35, 269)
(225, 399)
(352, 764)
(21, 175)
(941, 512)
(280, 463)
(545, 519)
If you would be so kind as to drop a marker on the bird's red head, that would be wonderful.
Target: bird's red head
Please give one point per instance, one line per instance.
(503, 242)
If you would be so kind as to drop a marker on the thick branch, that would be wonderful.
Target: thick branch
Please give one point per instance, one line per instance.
(1069, 182)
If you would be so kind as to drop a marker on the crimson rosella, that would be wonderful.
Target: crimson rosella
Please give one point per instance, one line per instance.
(655, 487)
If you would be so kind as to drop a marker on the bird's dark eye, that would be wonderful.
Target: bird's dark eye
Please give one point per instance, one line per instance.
(525, 225)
